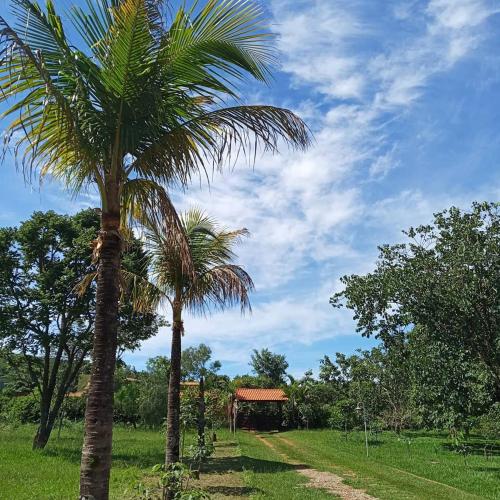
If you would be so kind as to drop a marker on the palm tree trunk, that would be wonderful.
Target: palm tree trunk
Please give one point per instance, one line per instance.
(174, 388)
(96, 451)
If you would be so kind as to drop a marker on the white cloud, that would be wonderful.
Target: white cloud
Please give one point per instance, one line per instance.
(306, 210)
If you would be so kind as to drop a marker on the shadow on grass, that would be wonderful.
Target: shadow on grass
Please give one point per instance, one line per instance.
(142, 460)
(494, 471)
(227, 464)
(232, 491)
(485, 449)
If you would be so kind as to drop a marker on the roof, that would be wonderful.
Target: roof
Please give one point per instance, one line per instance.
(243, 394)
(190, 384)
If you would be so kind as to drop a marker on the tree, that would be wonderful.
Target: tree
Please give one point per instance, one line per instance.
(45, 325)
(194, 363)
(449, 389)
(132, 105)
(152, 399)
(270, 365)
(217, 283)
(443, 281)
(194, 366)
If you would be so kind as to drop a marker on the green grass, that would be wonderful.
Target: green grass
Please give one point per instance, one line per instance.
(426, 468)
(54, 472)
(268, 476)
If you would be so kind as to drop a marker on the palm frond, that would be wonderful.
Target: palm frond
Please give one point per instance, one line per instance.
(223, 40)
(148, 203)
(144, 296)
(218, 135)
(220, 287)
(217, 282)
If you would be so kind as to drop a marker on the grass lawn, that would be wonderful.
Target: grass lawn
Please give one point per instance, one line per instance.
(268, 476)
(54, 472)
(243, 469)
(246, 467)
(423, 468)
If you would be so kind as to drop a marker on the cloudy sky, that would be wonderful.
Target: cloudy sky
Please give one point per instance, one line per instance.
(403, 99)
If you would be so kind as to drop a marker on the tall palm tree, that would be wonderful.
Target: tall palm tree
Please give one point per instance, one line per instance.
(216, 283)
(134, 104)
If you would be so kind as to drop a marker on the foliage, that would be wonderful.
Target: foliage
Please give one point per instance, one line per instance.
(175, 479)
(200, 451)
(21, 409)
(45, 325)
(152, 400)
(444, 280)
(489, 423)
(194, 363)
(126, 408)
(269, 365)
(216, 401)
(449, 389)
(73, 408)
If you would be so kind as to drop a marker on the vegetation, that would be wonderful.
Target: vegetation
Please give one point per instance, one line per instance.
(215, 282)
(428, 467)
(413, 465)
(133, 105)
(434, 304)
(45, 325)
(270, 366)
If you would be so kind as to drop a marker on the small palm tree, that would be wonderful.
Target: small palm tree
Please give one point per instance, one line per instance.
(215, 283)
(135, 104)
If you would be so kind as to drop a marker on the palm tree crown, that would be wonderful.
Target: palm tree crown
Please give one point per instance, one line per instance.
(216, 282)
(141, 103)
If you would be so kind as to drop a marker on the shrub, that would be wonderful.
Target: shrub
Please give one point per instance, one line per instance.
(74, 408)
(21, 409)
(489, 424)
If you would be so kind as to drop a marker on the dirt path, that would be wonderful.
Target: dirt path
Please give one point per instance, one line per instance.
(319, 479)
(222, 476)
(401, 471)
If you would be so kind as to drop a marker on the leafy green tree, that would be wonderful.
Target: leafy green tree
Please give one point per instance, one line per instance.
(152, 399)
(133, 102)
(195, 363)
(267, 364)
(45, 325)
(449, 389)
(444, 280)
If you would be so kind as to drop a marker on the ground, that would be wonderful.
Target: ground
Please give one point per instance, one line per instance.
(295, 465)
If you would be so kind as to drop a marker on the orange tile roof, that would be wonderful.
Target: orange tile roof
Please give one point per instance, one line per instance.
(243, 394)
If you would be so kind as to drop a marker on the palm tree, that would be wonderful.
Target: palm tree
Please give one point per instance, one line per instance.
(215, 283)
(133, 105)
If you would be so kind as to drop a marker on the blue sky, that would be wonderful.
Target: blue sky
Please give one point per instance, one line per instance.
(403, 98)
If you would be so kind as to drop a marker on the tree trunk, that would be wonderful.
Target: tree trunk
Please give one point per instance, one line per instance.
(96, 451)
(174, 389)
(201, 413)
(42, 435)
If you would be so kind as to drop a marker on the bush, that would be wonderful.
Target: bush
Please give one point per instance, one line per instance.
(126, 404)
(489, 424)
(21, 409)
(74, 408)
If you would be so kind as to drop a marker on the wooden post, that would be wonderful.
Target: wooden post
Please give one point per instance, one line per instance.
(235, 415)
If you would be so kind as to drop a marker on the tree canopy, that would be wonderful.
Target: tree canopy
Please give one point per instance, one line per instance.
(443, 280)
(269, 365)
(45, 322)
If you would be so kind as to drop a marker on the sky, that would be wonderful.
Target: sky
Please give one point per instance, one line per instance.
(402, 97)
